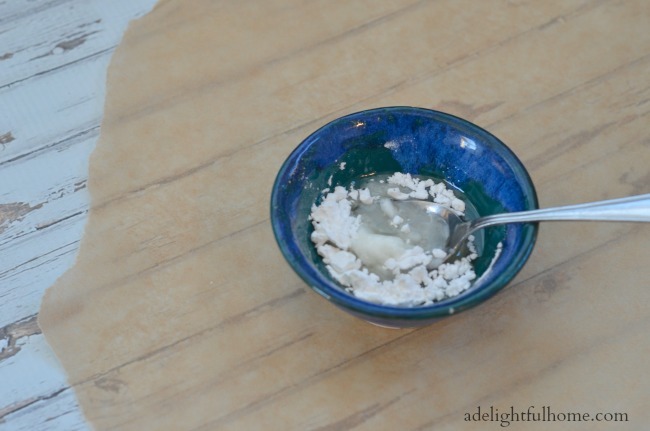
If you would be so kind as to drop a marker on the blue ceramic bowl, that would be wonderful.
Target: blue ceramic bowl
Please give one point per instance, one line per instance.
(421, 142)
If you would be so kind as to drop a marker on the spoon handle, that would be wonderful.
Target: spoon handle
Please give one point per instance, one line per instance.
(632, 208)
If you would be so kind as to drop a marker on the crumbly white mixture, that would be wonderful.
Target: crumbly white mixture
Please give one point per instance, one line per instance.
(400, 274)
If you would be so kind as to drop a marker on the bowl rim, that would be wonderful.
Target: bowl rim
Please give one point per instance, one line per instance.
(337, 294)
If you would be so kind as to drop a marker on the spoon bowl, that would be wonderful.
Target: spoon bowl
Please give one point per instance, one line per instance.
(459, 228)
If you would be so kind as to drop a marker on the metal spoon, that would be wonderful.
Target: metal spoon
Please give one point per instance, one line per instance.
(632, 208)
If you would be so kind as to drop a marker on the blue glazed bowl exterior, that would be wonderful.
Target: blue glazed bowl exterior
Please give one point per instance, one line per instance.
(420, 142)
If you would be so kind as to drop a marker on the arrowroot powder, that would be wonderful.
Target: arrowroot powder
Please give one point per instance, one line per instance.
(389, 253)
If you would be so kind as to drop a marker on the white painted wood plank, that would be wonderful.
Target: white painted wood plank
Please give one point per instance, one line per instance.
(12, 10)
(58, 111)
(40, 243)
(53, 186)
(34, 383)
(63, 94)
(60, 412)
(40, 372)
(27, 281)
(47, 110)
(45, 35)
(53, 60)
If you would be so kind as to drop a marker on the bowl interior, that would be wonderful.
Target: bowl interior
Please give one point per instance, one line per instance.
(416, 141)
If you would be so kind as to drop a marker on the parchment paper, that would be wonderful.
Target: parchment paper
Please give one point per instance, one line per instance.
(180, 312)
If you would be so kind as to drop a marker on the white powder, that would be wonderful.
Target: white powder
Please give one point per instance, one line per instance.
(381, 267)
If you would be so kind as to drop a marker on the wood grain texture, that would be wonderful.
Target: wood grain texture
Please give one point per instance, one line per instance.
(53, 60)
(180, 312)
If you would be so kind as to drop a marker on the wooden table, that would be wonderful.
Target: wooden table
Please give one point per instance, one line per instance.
(565, 84)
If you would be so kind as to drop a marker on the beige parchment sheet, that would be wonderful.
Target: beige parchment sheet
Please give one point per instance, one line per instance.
(180, 313)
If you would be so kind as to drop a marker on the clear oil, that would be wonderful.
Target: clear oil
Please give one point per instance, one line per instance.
(381, 237)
